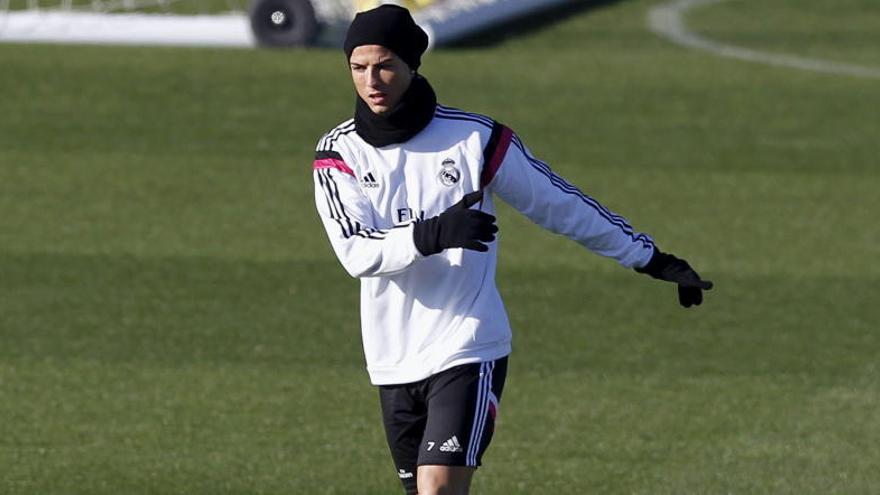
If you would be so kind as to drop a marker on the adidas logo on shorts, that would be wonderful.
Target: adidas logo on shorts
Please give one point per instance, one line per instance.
(451, 445)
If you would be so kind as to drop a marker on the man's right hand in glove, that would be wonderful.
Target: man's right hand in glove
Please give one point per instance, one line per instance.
(457, 227)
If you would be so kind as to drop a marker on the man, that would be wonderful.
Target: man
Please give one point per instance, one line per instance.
(406, 193)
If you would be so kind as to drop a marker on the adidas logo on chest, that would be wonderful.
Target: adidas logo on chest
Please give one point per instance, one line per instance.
(368, 181)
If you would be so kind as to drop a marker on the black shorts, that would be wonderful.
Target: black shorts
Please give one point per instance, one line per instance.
(446, 419)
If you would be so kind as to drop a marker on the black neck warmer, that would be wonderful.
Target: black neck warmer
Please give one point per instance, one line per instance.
(408, 118)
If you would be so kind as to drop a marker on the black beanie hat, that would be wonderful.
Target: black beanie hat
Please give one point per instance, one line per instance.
(390, 26)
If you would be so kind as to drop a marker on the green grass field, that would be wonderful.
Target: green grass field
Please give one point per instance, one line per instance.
(173, 320)
(842, 30)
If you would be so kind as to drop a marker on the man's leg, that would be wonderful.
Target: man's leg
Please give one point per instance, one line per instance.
(404, 415)
(462, 405)
(445, 480)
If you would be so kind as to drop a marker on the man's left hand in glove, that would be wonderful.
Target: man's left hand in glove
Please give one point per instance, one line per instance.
(664, 266)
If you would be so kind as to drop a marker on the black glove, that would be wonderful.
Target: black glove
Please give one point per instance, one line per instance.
(667, 267)
(458, 226)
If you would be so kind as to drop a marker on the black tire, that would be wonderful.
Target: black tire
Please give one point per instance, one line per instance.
(283, 23)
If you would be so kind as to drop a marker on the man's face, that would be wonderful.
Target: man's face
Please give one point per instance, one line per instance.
(380, 77)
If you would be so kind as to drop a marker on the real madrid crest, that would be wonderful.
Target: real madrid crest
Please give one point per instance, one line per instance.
(449, 175)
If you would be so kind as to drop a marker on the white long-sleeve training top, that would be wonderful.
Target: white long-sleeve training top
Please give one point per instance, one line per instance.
(421, 315)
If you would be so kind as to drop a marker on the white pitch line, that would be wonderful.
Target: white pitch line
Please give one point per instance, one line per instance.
(667, 21)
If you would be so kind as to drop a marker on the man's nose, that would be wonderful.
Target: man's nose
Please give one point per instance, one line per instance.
(372, 77)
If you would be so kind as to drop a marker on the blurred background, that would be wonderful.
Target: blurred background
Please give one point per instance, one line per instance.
(173, 319)
(273, 23)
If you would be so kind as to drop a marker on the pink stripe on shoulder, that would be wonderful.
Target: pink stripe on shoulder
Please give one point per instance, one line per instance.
(497, 157)
(332, 163)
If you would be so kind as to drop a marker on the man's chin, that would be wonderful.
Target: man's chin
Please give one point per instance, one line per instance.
(379, 109)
